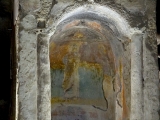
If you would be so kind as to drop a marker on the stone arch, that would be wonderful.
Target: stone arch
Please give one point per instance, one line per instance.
(89, 22)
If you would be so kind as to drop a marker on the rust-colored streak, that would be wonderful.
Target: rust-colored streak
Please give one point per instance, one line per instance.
(123, 96)
(125, 109)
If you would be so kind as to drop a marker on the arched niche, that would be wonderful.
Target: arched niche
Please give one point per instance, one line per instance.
(90, 65)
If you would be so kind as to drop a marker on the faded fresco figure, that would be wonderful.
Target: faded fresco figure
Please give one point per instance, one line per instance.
(71, 61)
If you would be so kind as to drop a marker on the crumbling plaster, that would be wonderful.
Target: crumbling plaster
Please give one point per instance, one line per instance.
(138, 19)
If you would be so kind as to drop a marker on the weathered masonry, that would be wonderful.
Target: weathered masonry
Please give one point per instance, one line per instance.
(86, 60)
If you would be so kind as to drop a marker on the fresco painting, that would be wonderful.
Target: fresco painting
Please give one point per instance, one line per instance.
(79, 70)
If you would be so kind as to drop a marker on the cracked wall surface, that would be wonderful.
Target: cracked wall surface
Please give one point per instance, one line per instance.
(111, 39)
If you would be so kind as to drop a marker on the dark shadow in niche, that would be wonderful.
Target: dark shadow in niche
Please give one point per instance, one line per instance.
(158, 16)
(158, 29)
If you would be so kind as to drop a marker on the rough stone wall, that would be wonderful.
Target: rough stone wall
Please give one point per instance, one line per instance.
(150, 65)
(37, 21)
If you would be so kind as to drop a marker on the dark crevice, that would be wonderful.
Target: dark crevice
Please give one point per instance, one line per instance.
(158, 28)
(158, 16)
(99, 108)
(105, 100)
(119, 103)
(113, 82)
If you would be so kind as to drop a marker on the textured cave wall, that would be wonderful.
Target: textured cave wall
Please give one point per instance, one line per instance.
(37, 19)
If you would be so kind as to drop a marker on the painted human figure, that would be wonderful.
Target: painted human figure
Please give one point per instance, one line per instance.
(71, 61)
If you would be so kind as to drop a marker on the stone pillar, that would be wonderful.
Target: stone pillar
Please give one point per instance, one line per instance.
(27, 70)
(136, 78)
(44, 82)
